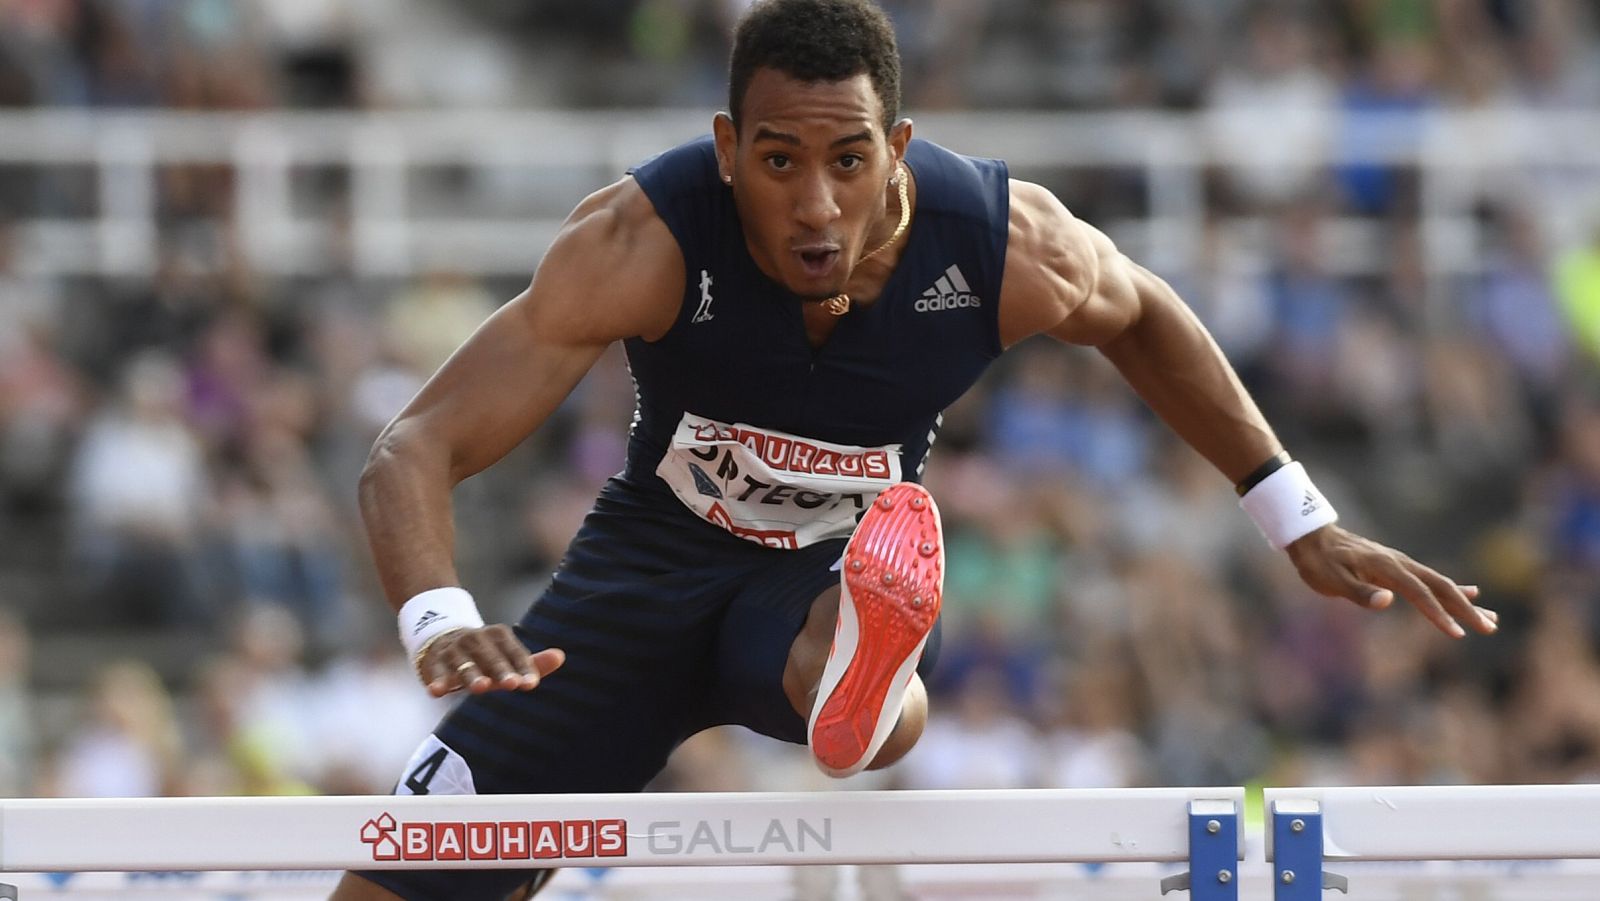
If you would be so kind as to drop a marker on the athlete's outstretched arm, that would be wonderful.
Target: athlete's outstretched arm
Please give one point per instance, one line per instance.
(613, 272)
(1064, 278)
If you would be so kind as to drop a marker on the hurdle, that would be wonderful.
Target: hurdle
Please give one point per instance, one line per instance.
(1310, 827)
(1197, 827)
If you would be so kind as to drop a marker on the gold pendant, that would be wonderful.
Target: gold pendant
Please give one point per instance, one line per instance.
(838, 304)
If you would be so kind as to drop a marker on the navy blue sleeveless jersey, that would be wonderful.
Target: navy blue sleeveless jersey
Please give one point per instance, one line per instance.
(739, 353)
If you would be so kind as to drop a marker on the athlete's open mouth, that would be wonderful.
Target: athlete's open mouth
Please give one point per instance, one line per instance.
(818, 261)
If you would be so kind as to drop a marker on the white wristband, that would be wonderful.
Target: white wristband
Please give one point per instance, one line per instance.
(434, 612)
(1286, 506)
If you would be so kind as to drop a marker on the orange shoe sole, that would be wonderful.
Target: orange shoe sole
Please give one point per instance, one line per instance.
(891, 591)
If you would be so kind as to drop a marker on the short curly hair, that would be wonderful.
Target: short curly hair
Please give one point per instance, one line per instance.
(816, 41)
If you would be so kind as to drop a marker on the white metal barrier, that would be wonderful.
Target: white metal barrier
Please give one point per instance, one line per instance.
(1536, 842)
(1486, 822)
(1198, 826)
(617, 830)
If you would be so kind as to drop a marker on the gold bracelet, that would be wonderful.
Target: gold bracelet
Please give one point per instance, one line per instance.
(416, 662)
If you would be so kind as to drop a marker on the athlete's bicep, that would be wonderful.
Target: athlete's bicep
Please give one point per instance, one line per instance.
(1063, 276)
(614, 272)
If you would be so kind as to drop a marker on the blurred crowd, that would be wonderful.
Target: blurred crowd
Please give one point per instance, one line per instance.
(1394, 55)
(187, 603)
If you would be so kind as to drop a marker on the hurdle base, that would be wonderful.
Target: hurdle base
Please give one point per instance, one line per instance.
(8, 892)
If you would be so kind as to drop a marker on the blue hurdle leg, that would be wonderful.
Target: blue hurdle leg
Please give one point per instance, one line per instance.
(1297, 865)
(1213, 853)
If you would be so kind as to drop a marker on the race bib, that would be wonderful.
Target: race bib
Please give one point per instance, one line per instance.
(773, 488)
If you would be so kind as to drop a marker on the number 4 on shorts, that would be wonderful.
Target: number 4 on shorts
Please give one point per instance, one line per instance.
(420, 777)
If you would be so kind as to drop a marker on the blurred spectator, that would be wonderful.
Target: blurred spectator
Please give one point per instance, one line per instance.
(1281, 90)
(228, 366)
(1373, 377)
(1571, 490)
(260, 703)
(1004, 567)
(1091, 724)
(314, 43)
(1087, 52)
(122, 70)
(1309, 309)
(380, 391)
(941, 42)
(233, 760)
(39, 37)
(1188, 641)
(1515, 305)
(977, 740)
(1480, 424)
(429, 320)
(1554, 716)
(367, 717)
(1578, 287)
(1556, 57)
(1383, 112)
(1464, 748)
(138, 487)
(1063, 412)
(1200, 740)
(19, 733)
(1223, 291)
(1184, 511)
(1310, 679)
(282, 536)
(40, 392)
(129, 745)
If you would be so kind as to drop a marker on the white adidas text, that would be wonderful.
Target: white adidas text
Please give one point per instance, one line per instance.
(950, 292)
(935, 304)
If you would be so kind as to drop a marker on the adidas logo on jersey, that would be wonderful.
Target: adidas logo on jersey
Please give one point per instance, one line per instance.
(950, 292)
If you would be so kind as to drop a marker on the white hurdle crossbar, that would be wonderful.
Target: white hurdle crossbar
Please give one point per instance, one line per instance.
(521, 831)
(1478, 822)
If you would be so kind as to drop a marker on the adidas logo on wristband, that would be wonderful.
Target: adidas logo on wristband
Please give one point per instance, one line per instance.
(433, 612)
(1286, 506)
(429, 617)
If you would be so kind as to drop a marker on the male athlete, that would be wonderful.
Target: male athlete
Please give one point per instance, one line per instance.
(799, 296)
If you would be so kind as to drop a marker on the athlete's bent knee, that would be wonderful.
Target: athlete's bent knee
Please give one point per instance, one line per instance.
(907, 729)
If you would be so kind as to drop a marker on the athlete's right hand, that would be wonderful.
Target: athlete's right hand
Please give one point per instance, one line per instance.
(488, 658)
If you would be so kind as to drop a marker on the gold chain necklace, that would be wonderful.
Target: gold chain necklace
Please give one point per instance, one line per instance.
(839, 304)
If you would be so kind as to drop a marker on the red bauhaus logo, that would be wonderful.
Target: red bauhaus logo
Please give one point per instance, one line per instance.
(494, 840)
(787, 453)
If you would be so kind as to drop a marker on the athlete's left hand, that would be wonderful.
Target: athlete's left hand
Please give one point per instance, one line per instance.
(487, 658)
(1339, 563)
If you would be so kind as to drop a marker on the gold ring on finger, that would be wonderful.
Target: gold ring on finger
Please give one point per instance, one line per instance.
(465, 666)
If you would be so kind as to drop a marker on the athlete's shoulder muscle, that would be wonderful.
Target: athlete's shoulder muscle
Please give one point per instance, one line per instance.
(614, 271)
(1050, 266)
(1063, 276)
